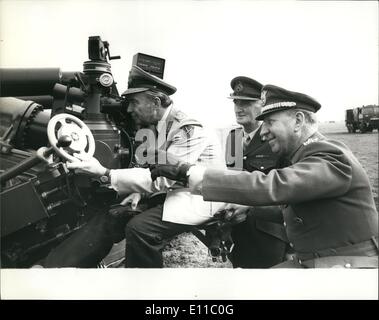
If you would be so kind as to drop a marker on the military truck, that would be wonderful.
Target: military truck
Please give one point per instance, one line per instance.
(364, 119)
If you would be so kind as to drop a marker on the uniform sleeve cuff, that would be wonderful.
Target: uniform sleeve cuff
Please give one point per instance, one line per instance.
(113, 178)
(195, 179)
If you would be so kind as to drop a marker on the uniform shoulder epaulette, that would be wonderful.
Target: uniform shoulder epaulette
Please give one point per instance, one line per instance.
(236, 129)
(184, 120)
(180, 116)
(311, 140)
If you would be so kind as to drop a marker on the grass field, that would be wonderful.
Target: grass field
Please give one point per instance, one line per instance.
(186, 251)
(364, 146)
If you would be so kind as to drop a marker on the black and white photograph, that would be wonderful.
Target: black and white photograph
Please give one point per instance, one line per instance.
(189, 150)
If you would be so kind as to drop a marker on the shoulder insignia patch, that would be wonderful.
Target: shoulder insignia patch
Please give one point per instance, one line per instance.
(188, 130)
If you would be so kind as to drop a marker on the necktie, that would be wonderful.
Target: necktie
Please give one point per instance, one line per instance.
(246, 141)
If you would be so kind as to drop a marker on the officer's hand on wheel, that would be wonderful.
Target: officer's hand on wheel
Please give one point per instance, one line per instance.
(172, 172)
(86, 165)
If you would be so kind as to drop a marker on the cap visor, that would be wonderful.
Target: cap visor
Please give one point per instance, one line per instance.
(263, 115)
(243, 98)
(134, 90)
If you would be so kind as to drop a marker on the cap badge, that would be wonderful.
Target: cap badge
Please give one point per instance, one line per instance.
(238, 87)
(263, 96)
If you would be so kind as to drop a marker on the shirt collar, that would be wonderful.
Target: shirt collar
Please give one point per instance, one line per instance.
(163, 120)
(251, 134)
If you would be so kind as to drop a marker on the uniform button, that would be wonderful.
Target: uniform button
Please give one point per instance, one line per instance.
(290, 256)
(284, 224)
(291, 244)
(244, 158)
(347, 265)
(262, 168)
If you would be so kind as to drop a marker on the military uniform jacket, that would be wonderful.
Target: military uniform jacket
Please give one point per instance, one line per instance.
(325, 193)
(256, 156)
(185, 140)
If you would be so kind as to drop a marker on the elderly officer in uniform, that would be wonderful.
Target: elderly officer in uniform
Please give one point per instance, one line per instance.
(328, 207)
(177, 138)
(260, 241)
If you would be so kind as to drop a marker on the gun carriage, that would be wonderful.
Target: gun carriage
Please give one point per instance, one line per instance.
(46, 118)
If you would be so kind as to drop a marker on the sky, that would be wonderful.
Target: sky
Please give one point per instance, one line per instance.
(328, 50)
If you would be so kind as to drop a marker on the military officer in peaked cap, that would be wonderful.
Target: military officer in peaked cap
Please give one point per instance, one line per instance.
(172, 209)
(328, 207)
(260, 241)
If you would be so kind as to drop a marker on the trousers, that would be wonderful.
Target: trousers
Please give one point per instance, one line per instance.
(255, 248)
(146, 236)
(90, 244)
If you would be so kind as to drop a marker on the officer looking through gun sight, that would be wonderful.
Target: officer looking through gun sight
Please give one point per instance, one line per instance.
(171, 210)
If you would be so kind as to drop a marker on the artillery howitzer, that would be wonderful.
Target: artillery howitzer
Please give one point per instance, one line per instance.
(70, 112)
(46, 116)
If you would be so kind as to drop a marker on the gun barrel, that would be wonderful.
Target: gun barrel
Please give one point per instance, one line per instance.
(73, 94)
(46, 100)
(28, 81)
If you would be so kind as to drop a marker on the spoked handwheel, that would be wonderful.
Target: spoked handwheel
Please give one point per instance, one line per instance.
(82, 144)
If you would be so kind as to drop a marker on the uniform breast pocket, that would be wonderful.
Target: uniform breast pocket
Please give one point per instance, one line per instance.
(264, 164)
